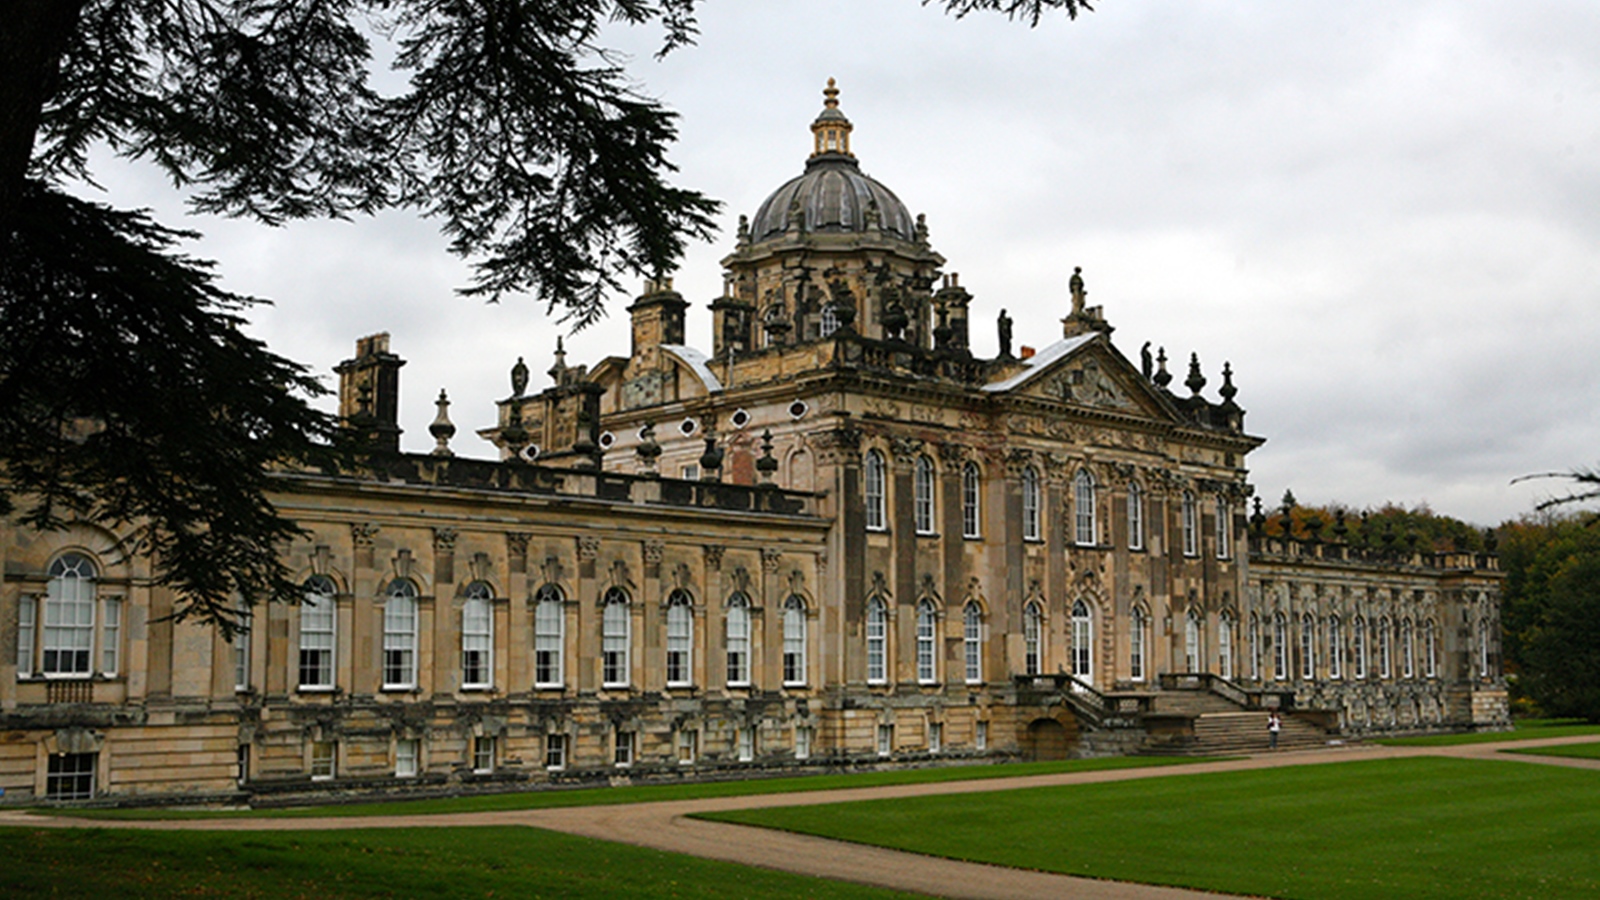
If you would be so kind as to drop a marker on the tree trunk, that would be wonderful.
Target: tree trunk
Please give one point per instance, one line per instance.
(32, 42)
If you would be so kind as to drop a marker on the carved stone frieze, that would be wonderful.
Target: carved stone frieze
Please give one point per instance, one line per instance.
(953, 453)
(588, 548)
(653, 551)
(905, 450)
(770, 559)
(363, 533)
(713, 554)
(444, 539)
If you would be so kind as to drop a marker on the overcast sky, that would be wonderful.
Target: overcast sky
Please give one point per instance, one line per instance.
(1385, 215)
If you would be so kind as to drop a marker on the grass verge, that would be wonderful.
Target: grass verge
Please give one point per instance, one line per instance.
(1525, 730)
(438, 863)
(1575, 751)
(598, 796)
(1442, 829)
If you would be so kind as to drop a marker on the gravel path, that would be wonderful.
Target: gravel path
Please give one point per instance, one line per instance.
(667, 826)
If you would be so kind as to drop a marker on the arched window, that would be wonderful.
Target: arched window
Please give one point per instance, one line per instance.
(1308, 647)
(400, 636)
(1083, 509)
(1137, 651)
(1135, 516)
(1430, 649)
(317, 618)
(1408, 650)
(1031, 530)
(549, 619)
(971, 495)
(927, 628)
(1280, 646)
(738, 623)
(1225, 644)
(876, 495)
(1224, 528)
(794, 640)
(829, 321)
(1358, 645)
(877, 642)
(1255, 647)
(477, 636)
(69, 616)
(680, 639)
(972, 642)
(1191, 526)
(922, 491)
(615, 638)
(1385, 655)
(1082, 641)
(1335, 647)
(1192, 661)
(1033, 638)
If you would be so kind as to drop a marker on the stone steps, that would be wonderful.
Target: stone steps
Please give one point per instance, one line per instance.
(1241, 732)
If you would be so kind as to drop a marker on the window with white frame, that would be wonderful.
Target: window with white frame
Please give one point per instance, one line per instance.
(110, 634)
(69, 776)
(746, 740)
(1032, 503)
(407, 753)
(1280, 646)
(980, 736)
(1308, 647)
(922, 495)
(1191, 642)
(1139, 627)
(737, 622)
(829, 321)
(927, 629)
(802, 742)
(1483, 648)
(623, 748)
(1225, 645)
(794, 640)
(1430, 647)
(680, 639)
(615, 637)
(1255, 647)
(1083, 509)
(27, 620)
(1385, 653)
(876, 493)
(69, 616)
(1224, 528)
(400, 636)
(324, 760)
(877, 641)
(241, 660)
(1408, 650)
(1033, 638)
(971, 500)
(1135, 516)
(483, 753)
(318, 613)
(885, 740)
(555, 752)
(1335, 647)
(1358, 646)
(1082, 641)
(549, 621)
(935, 737)
(477, 636)
(688, 746)
(1191, 526)
(972, 641)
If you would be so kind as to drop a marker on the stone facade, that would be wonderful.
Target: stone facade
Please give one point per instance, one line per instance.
(840, 538)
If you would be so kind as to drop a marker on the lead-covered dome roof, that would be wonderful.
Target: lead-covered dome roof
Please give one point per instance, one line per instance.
(833, 195)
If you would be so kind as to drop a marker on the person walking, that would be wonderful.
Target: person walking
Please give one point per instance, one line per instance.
(1274, 725)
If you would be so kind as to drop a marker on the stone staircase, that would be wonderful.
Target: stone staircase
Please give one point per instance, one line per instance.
(1222, 727)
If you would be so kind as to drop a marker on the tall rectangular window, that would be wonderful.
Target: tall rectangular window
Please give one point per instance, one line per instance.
(1335, 647)
(922, 495)
(1083, 509)
(972, 642)
(688, 746)
(615, 630)
(935, 737)
(1224, 529)
(1430, 639)
(27, 616)
(877, 642)
(110, 635)
(802, 742)
(483, 753)
(885, 740)
(1358, 649)
(1031, 505)
(1308, 647)
(746, 739)
(1136, 651)
(794, 641)
(875, 493)
(980, 737)
(680, 639)
(1385, 655)
(477, 637)
(622, 750)
(927, 672)
(1135, 516)
(317, 617)
(548, 622)
(400, 636)
(241, 661)
(736, 620)
(1191, 526)
(406, 754)
(324, 760)
(971, 501)
(1032, 638)
(555, 752)
(69, 616)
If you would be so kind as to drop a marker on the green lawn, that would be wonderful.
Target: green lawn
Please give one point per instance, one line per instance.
(1525, 730)
(1578, 751)
(648, 793)
(437, 863)
(1411, 828)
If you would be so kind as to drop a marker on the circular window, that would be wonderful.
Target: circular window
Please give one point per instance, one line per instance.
(740, 418)
(798, 409)
(688, 426)
(606, 440)
(530, 452)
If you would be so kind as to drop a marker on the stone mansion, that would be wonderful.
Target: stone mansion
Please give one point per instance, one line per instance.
(836, 538)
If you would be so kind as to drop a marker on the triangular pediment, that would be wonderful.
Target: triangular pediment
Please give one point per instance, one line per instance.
(1084, 371)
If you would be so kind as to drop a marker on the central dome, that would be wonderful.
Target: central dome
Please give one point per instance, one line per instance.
(833, 196)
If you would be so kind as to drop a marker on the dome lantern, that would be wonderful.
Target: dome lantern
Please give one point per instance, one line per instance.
(831, 130)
